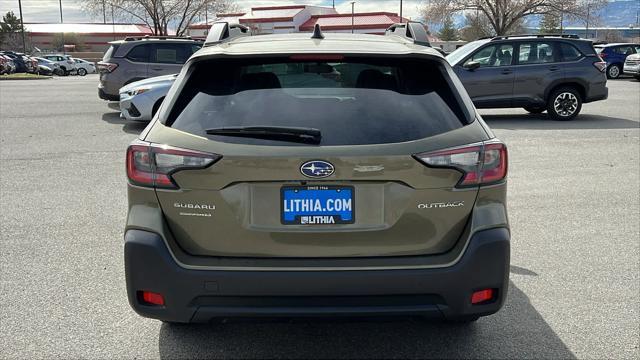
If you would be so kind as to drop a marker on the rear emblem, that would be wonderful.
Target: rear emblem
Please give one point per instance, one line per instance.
(317, 169)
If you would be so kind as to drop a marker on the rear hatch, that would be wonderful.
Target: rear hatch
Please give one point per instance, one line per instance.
(317, 158)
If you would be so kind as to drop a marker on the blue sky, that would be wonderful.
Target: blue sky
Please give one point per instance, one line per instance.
(48, 10)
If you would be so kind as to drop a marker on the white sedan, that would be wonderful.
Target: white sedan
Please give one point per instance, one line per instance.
(141, 100)
(84, 67)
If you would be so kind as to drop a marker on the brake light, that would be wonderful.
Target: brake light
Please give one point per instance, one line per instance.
(151, 165)
(317, 57)
(480, 164)
(600, 65)
(106, 67)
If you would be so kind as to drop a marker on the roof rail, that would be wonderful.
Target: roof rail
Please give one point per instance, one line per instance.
(565, 36)
(136, 38)
(412, 30)
(224, 31)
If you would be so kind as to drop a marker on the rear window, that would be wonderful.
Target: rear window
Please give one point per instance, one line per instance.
(110, 52)
(351, 101)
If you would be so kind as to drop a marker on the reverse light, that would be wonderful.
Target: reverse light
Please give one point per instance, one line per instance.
(482, 296)
(152, 165)
(105, 67)
(151, 298)
(480, 164)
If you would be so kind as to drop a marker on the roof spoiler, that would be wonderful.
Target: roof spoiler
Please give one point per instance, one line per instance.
(412, 30)
(223, 31)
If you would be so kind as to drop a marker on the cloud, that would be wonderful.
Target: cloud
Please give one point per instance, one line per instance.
(46, 10)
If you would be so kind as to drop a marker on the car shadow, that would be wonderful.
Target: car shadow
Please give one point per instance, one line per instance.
(517, 331)
(542, 122)
(131, 127)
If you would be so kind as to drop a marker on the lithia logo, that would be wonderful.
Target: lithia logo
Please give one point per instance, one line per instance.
(440, 205)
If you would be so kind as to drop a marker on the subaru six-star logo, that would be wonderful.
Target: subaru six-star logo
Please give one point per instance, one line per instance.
(317, 169)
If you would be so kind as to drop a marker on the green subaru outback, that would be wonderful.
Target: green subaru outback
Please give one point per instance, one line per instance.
(316, 175)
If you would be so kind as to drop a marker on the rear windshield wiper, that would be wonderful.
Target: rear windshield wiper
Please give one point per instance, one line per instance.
(282, 133)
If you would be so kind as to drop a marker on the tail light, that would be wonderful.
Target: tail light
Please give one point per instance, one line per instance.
(151, 165)
(601, 65)
(105, 67)
(480, 164)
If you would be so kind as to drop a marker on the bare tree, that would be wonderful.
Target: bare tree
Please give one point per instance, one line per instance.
(160, 15)
(505, 15)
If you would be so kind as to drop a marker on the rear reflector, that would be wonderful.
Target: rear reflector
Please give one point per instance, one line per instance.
(481, 164)
(482, 296)
(152, 165)
(151, 298)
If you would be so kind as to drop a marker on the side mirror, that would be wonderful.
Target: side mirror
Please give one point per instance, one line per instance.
(471, 65)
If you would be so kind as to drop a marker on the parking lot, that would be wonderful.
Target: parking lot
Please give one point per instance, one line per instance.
(574, 202)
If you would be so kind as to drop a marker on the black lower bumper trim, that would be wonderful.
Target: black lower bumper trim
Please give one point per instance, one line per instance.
(104, 96)
(200, 295)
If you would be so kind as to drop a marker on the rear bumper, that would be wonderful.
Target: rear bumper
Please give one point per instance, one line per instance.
(597, 92)
(104, 96)
(201, 295)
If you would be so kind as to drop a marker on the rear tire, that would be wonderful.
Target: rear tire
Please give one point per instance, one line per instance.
(613, 71)
(564, 104)
(82, 72)
(535, 109)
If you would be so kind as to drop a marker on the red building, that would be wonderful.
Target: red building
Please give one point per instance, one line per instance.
(369, 23)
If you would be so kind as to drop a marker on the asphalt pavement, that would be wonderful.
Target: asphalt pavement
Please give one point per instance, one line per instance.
(574, 203)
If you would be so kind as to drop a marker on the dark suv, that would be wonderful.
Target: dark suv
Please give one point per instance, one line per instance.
(553, 73)
(134, 59)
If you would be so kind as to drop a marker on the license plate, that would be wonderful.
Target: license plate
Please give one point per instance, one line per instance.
(317, 205)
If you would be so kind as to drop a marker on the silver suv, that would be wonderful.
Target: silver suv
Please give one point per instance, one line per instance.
(134, 59)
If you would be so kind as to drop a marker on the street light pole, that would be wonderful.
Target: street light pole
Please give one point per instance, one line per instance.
(24, 43)
(104, 12)
(352, 16)
(400, 10)
(62, 22)
(587, 27)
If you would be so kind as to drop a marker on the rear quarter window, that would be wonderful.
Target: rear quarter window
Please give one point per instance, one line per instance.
(139, 53)
(354, 101)
(569, 52)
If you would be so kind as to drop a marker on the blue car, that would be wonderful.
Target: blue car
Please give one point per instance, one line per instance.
(614, 55)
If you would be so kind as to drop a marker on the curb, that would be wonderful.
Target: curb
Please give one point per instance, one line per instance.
(25, 78)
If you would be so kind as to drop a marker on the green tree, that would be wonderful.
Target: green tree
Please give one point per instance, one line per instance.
(10, 26)
(10, 23)
(448, 31)
(550, 24)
